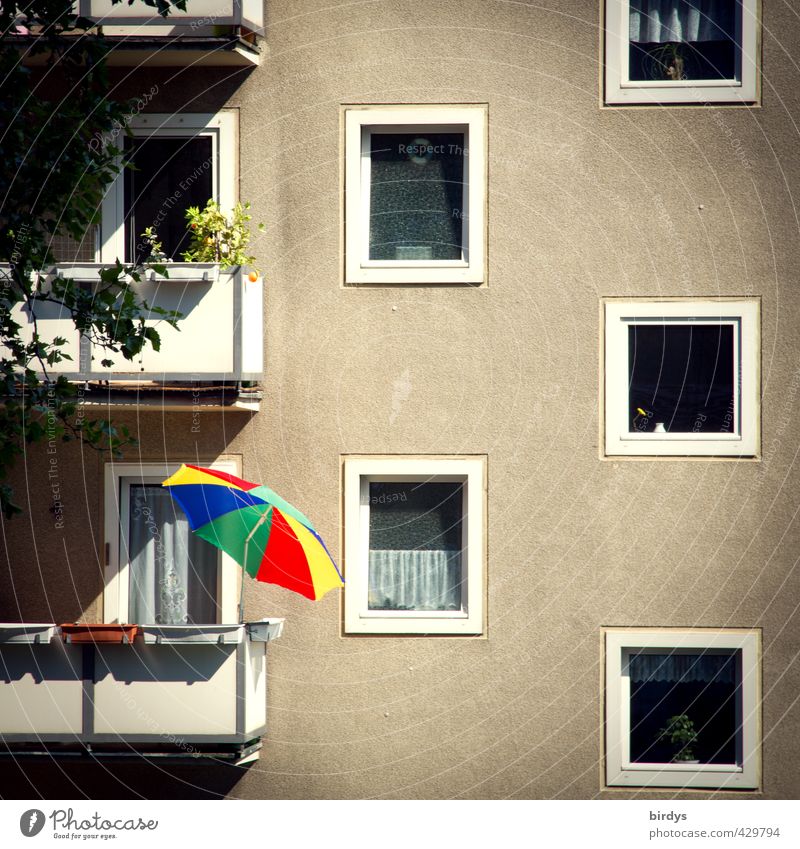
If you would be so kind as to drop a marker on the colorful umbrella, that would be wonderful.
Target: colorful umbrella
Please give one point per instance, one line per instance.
(272, 540)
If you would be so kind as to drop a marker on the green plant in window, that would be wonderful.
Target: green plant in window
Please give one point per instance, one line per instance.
(680, 733)
(218, 237)
(155, 247)
(668, 62)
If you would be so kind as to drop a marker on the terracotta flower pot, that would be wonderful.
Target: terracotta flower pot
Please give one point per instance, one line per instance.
(74, 633)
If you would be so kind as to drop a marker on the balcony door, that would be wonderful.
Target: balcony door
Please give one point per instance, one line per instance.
(166, 175)
(177, 160)
(159, 572)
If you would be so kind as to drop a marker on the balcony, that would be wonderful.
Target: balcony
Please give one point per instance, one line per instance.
(219, 340)
(174, 691)
(213, 33)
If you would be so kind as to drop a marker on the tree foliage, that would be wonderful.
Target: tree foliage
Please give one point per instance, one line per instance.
(59, 152)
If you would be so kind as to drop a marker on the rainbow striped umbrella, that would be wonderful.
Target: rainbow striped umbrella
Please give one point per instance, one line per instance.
(272, 540)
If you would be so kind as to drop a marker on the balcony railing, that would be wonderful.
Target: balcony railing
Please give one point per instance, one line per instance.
(181, 691)
(199, 15)
(220, 335)
(209, 32)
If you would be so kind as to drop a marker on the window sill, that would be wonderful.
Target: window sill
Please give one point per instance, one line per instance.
(409, 275)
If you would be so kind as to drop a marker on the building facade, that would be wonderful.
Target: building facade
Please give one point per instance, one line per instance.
(525, 352)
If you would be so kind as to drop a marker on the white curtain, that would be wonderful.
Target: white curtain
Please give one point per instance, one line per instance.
(414, 580)
(682, 668)
(173, 573)
(682, 20)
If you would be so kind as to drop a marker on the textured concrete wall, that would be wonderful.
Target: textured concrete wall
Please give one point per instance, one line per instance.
(583, 202)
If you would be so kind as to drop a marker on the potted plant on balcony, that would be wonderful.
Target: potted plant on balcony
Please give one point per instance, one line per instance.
(220, 238)
(218, 241)
(680, 733)
(166, 267)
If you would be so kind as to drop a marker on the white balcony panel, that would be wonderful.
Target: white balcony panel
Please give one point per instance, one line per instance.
(171, 691)
(255, 687)
(174, 695)
(51, 321)
(41, 691)
(220, 335)
(205, 342)
(252, 327)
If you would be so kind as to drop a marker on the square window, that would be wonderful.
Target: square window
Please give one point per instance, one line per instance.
(415, 194)
(681, 377)
(681, 51)
(414, 545)
(177, 161)
(682, 708)
(158, 571)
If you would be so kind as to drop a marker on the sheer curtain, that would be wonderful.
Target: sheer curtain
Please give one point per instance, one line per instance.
(410, 579)
(682, 668)
(682, 20)
(173, 573)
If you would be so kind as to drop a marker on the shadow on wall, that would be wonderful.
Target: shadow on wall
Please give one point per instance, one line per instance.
(173, 89)
(142, 779)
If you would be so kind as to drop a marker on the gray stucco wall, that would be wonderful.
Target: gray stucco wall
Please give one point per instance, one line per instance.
(584, 202)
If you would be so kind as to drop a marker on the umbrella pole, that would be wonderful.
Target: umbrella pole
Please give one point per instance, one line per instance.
(257, 525)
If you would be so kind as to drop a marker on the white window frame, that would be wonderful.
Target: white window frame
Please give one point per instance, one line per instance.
(358, 122)
(221, 127)
(358, 473)
(619, 313)
(620, 89)
(620, 772)
(117, 570)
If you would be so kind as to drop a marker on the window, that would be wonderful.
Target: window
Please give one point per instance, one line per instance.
(681, 377)
(414, 545)
(682, 708)
(178, 161)
(158, 572)
(415, 194)
(681, 51)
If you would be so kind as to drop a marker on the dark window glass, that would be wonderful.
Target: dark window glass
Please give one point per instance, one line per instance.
(683, 39)
(169, 175)
(681, 378)
(703, 688)
(415, 559)
(416, 196)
